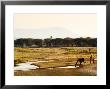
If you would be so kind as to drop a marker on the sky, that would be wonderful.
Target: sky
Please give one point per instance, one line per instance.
(40, 26)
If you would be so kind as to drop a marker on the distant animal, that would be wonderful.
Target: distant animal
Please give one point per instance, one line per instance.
(91, 59)
(80, 60)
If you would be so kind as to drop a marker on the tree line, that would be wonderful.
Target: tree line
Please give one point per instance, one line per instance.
(56, 42)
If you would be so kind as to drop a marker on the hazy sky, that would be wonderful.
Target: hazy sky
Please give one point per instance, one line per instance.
(56, 25)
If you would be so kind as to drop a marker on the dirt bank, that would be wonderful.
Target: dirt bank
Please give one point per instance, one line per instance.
(84, 70)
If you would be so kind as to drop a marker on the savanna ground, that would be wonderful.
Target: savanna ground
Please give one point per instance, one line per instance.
(53, 58)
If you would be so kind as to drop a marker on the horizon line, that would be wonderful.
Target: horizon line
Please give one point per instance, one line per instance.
(56, 37)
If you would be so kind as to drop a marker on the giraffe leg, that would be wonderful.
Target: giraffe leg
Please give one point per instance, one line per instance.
(93, 60)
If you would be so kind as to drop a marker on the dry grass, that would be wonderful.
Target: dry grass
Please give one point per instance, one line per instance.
(55, 57)
(64, 54)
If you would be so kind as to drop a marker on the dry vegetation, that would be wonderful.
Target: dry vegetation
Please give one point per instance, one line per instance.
(56, 57)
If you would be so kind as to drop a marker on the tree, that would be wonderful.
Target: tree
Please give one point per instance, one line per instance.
(57, 42)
